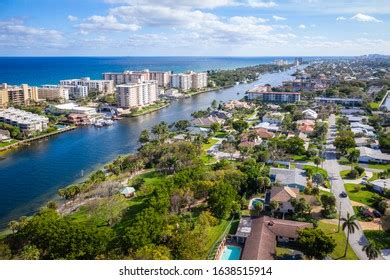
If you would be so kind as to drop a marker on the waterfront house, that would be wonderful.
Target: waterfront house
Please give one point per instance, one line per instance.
(78, 119)
(236, 104)
(221, 114)
(207, 122)
(196, 130)
(368, 155)
(293, 178)
(263, 233)
(128, 192)
(5, 135)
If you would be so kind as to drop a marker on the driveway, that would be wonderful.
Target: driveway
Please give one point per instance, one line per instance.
(357, 240)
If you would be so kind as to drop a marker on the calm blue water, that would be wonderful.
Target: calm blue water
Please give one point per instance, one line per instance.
(32, 175)
(231, 253)
(50, 70)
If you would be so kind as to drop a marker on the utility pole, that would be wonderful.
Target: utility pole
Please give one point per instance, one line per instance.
(338, 230)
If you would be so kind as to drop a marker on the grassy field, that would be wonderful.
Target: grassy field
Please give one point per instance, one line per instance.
(220, 134)
(379, 237)
(379, 166)
(320, 170)
(5, 144)
(341, 239)
(363, 195)
(211, 143)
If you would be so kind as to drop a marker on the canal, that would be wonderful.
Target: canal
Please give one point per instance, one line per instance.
(32, 175)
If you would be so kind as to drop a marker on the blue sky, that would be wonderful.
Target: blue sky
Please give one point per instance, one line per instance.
(189, 27)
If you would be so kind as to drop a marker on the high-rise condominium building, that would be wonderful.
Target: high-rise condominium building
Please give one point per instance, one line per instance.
(53, 92)
(186, 81)
(17, 95)
(101, 86)
(162, 77)
(136, 94)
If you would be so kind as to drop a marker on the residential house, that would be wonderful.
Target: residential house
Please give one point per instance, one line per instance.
(264, 133)
(283, 196)
(273, 118)
(306, 126)
(367, 142)
(268, 126)
(294, 178)
(262, 234)
(128, 192)
(380, 185)
(236, 104)
(310, 114)
(246, 140)
(221, 114)
(5, 135)
(368, 155)
(196, 130)
(207, 122)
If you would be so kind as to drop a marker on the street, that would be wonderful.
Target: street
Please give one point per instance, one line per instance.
(357, 240)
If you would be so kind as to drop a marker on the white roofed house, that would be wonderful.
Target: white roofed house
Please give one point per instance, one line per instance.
(380, 185)
(273, 118)
(207, 122)
(310, 114)
(128, 192)
(293, 178)
(368, 155)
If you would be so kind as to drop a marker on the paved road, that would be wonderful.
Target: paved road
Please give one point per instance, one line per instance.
(356, 240)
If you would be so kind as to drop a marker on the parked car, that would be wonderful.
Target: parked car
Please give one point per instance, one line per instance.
(343, 194)
(377, 214)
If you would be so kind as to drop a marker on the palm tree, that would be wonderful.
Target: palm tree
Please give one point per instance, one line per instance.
(317, 161)
(350, 224)
(371, 250)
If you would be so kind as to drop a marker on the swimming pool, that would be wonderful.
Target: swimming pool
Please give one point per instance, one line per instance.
(231, 253)
(254, 201)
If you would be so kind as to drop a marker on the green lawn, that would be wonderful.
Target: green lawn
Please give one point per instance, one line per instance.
(340, 239)
(214, 234)
(208, 145)
(379, 166)
(315, 170)
(220, 134)
(363, 195)
(373, 105)
(301, 158)
(5, 144)
(379, 237)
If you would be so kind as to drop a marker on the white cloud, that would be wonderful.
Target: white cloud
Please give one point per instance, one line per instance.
(277, 18)
(365, 18)
(340, 18)
(302, 26)
(109, 22)
(261, 4)
(247, 20)
(16, 33)
(72, 18)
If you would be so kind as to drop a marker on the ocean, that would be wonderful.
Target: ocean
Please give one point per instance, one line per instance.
(50, 70)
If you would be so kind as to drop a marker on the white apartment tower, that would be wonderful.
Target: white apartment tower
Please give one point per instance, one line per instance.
(136, 94)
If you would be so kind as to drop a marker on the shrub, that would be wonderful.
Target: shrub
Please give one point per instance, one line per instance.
(360, 170)
(357, 188)
(353, 174)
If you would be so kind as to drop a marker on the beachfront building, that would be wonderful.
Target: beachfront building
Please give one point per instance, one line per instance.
(17, 95)
(53, 92)
(136, 94)
(127, 77)
(26, 121)
(265, 94)
(100, 86)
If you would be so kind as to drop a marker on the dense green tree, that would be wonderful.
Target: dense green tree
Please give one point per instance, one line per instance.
(353, 156)
(182, 124)
(215, 127)
(153, 252)
(144, 137)
(344, 141)
(161, 131)
(240, 125)
(315, 243)
(222, 200)
(301, 206)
